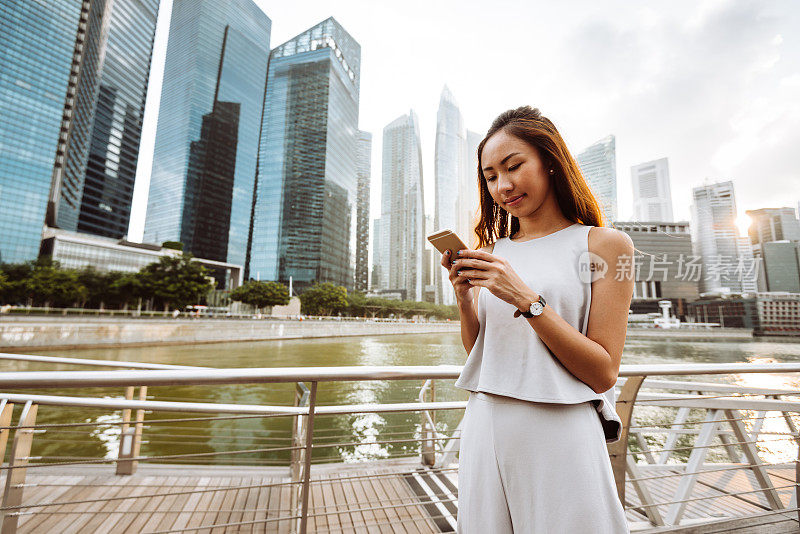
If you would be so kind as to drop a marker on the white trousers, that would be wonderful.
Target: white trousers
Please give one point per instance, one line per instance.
(535, 468)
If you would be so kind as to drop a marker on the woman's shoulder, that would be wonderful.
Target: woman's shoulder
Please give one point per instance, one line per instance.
(609, 240)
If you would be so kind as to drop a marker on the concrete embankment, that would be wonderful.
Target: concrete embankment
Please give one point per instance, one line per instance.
(715, 334)
(18, 333)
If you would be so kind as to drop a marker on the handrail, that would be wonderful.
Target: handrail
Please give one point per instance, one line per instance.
(45, 379)
(207, 407)
(90, 362)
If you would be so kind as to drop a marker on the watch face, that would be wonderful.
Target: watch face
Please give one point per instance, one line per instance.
(537, 308)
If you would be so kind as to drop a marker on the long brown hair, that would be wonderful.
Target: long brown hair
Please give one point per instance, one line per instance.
(574, 197)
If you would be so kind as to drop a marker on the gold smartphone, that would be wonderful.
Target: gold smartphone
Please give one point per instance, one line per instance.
(444, 240)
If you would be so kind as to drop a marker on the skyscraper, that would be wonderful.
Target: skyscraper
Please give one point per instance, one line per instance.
(715, 239)
(652, 198)
(449, 172)
(775, 236)
(598, 164)
(402, 222)
(773, 224)
(363, 163)
(304, 215)
(115, 130)
(204, 160)
(72, 99)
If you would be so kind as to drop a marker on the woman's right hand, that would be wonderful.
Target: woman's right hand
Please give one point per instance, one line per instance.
(461, 285)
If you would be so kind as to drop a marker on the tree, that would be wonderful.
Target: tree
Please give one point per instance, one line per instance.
(175, 281)
(174, 245)
(261, 294)
(324, 299)
(51, 286)
(5, 285)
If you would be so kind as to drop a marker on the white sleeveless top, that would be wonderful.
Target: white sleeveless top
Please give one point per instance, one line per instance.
(508, 357)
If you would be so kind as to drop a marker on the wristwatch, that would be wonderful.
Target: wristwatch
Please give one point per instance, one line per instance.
(537, 307)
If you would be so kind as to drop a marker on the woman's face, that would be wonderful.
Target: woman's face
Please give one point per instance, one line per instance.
(515, 174)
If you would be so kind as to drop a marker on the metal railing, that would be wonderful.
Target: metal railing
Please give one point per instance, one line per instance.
(726, 422)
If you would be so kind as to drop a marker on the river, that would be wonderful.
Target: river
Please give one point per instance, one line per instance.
(236, 434)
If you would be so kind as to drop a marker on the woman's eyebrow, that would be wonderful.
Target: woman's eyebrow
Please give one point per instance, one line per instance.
(501, 161)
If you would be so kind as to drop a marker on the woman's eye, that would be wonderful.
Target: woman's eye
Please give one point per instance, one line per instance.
(490, 178)
(514, 167)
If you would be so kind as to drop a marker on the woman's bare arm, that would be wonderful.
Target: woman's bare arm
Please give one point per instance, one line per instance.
(593, 358)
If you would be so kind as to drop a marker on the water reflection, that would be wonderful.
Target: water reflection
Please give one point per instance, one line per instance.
(772, 448)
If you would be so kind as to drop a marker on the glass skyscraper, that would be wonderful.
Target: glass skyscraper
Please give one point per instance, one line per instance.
(449, 171)
(304, 214)
(204, 161)
(598, 164)
(116, 125)
(402, 222)
(363, 163)
(72, 103)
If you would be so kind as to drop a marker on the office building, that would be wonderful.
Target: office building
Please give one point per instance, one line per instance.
(449, 172)
(204, 160)
(781, 266)
(305, 212)
(664, 265)
(728, 262)
(652, 198)
(768, 314)
(402, 208)
(74, 250)
(72, 99)
(598, 164)
(107, 176)
(772, 224)
(363, 165)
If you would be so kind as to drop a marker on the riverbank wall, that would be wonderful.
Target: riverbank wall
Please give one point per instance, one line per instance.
(23, 333)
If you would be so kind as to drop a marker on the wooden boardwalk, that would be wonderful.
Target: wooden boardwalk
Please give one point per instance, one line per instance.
(382, 497)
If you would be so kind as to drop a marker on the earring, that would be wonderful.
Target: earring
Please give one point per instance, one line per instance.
(552, 171)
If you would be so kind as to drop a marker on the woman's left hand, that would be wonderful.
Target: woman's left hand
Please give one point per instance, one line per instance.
(495, 274)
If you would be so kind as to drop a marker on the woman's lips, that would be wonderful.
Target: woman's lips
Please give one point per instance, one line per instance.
(514, 200)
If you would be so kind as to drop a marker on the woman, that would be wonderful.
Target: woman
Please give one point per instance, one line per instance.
(544, 311)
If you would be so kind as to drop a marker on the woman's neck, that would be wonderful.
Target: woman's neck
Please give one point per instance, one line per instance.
(545, 220)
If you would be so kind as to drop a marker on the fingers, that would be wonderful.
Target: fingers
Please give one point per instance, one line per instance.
(473, 274)
(474, 264)
(446, 260)
(476, 254)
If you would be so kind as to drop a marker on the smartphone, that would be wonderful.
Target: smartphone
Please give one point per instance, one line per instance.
(444, 240)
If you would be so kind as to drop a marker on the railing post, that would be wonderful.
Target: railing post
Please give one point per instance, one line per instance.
(301, 395)
(130, 441)
(6, 409)
(15, 476)
(312, 403)
(618, 451)
(427, 433)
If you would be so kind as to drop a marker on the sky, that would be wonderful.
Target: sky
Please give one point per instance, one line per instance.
(712, 85)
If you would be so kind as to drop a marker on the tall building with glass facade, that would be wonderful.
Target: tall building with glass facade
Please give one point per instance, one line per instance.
(36, 73)
(206, 149)
(304, 214)
(598, 164)
(652, 197)
(72, 101)
(449, 171)
(715, 239)
(363, 173)
(402, 222)
(116, 124)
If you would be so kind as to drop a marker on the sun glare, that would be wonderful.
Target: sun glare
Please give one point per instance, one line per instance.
(743, 222)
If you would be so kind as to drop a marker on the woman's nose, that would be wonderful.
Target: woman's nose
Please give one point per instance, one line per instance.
(504, 184)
